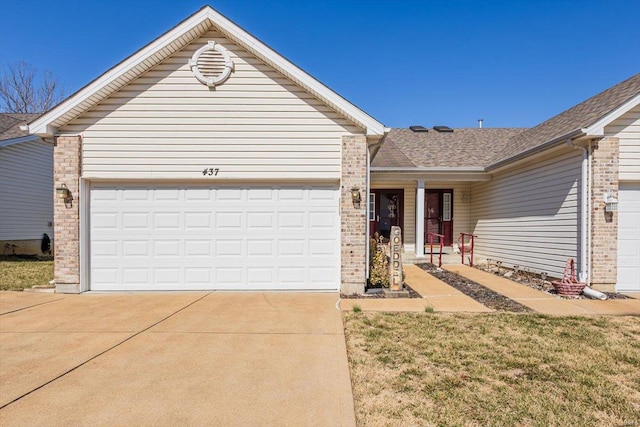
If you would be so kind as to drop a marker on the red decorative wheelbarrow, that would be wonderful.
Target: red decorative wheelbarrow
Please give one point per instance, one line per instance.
(569, 285)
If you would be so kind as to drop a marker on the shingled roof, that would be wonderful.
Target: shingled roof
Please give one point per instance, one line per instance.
(491, 147)
(469, 147)
(574, 119)
(10, 125)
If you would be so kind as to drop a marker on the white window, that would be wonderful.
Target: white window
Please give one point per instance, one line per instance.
(372, 206)
(446, 207)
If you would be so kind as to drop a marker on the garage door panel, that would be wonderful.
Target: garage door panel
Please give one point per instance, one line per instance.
(159, 238)
(629, 237)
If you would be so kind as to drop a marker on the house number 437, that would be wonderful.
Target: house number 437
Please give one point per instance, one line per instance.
(210, 171)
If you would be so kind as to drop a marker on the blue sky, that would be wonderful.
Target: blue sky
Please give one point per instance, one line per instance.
(512, 63)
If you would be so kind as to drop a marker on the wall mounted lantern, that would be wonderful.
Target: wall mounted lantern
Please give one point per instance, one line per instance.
(62, 191)
(355, 195)
(610, 202)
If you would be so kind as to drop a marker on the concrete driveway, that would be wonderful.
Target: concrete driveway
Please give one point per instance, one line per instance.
(173, 359)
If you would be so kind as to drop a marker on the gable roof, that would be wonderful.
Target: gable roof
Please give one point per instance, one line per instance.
(462, 148)
(587, 118)
(176, 39)
(10, 125)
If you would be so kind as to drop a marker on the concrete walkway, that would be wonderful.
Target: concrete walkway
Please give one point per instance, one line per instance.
(543, 302)
(173, 359)
(435, 294)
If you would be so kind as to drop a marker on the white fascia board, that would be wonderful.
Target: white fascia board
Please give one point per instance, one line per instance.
(428, 169)
(42, 125)
(262, 51)
(19, 140)
(457, 174)
(597, 128)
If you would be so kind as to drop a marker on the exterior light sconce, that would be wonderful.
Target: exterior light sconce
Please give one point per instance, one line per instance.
(610, 202)
(62, 191)
(355, 195)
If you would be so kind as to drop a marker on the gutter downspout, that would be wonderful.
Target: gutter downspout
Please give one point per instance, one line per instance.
(584, 214)
(366, 201)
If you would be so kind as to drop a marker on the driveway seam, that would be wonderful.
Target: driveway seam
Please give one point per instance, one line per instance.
(31, 306)
(103, 352)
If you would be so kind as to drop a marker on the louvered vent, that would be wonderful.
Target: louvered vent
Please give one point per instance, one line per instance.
(211, 64)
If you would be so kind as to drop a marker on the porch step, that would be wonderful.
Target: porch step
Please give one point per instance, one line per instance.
(448, 257)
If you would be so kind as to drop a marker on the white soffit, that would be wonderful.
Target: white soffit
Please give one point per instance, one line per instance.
(174, 40)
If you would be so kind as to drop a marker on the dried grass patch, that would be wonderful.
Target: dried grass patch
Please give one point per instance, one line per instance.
(17, 274)
(498, 369)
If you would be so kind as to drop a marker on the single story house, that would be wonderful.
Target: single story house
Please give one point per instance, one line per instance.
(206, 160)
(26, 180)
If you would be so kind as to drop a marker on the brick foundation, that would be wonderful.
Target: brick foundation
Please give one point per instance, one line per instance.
(353, 227)
(66, 214)
(604, 225)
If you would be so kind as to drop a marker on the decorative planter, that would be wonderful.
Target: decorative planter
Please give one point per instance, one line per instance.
(569, 285)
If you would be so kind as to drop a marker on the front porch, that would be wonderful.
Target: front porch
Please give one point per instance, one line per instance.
(422, 207)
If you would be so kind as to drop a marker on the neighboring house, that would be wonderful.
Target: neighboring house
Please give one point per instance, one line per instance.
(26, 182)
(533, 197)
(208, 161)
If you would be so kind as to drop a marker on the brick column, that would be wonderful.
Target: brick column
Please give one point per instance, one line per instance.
(66, 214)
(353, 227)
(604, 225)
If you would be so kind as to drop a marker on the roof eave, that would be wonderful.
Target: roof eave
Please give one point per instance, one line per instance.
(597, 128)
(549, 144)
(19, 140)
(458, 174)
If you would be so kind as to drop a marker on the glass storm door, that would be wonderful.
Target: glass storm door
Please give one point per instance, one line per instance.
(438, 211)
(385, 211)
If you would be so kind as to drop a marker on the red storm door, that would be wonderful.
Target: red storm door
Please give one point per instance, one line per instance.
(385, 211)
(438, 211)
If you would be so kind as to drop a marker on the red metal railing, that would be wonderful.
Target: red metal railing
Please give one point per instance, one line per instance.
(467, 247)
(441, 238)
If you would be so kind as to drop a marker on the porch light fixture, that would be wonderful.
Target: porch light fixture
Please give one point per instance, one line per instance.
(62, 191)
(355, 195)
(610, 202)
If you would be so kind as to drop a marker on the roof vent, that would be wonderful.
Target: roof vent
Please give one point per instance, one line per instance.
(418, 128)
(442, 129)
(211, 64)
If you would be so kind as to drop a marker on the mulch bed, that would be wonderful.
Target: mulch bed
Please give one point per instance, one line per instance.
(475, 290)
(535, 281)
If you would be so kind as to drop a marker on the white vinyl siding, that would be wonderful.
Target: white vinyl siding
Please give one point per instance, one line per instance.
(529, 215)
(26, 190)
(627, 128)
(257, 125)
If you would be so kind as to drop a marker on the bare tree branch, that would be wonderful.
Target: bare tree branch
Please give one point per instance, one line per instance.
(25, 89)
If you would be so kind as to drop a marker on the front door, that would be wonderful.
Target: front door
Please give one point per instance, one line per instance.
(438, 211)
(385, 211)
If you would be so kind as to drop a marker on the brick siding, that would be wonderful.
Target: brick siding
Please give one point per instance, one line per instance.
(604, 225)
(353, 227)
(66, 214)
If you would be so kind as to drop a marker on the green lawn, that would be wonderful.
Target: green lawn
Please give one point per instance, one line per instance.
(17, 274)
(494, 369)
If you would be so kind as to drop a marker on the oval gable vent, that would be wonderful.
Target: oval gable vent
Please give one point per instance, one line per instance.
(211, 64)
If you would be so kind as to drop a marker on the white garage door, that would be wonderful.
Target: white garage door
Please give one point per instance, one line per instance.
(156, 237)
(629, 237)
